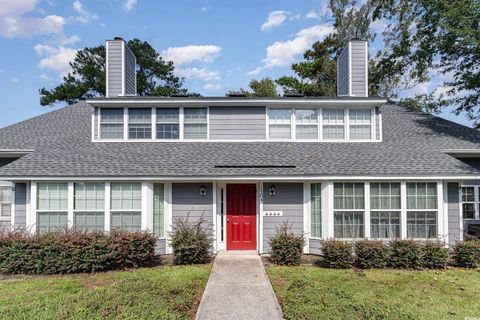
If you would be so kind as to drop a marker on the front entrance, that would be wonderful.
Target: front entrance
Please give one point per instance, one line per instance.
(241, 217)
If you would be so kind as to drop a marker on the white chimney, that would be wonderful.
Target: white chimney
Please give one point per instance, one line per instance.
(121, 69)
(352, 70)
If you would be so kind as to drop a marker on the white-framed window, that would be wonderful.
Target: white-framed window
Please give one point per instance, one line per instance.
(111, 123)
(348, 210)
(5, 202)
(360, 124)
(316, 209)
(89, 206)
(195, 123)
(168, 123)
(279, 123)
(333, 124)
(422, 210)
(52, 206)
(306, 124)
(139, 123)
(158, 210)
(470, 203)
(385, 208)
(126, 206)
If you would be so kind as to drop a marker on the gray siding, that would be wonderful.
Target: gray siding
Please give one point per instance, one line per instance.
(454, 219)
(115, 65)
(130, 72)
(315, 246)
(160, 247)
(95, 123)
(187, 202)
(237, 123)
(343, 69)
(289, 199)
(20, 205)
(377, 123)
(359, 68)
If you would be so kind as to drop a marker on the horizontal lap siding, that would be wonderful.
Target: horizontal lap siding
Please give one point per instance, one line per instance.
(454, 232)
(130, 75)
(315, 246)
(343, 73)
(359, 69)
(289, 199)
(114, 68)
(187, 202)
(237, 123)
(20, 205)
(160, 247)
(95, 123)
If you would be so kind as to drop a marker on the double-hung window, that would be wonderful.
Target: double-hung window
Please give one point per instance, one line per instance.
(279, 123)
(140, 123)
(306, 124)
(333, 124)
(348, 210)
(111, 123)
(126, 206)
(360, 124)
(195, 123)
(385, 205)
(316, 209)
(468, 202)
(168, 123)
(422, 210)
(52, 206)
(89, 206)
(5, 202)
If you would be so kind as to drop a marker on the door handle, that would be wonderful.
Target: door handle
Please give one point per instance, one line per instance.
(228, 220)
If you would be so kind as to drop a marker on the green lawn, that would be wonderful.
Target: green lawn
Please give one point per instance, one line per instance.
(310, 292)
(166, 292)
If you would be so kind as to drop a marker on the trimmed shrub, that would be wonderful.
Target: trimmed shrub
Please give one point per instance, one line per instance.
(337, 254)
(434, 255)
(466, 254)
(286, 247)
(70, 251)
(404, 254)
(191, 241)
(371, 254)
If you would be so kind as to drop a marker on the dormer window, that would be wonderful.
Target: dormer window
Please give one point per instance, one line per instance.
(111, 123)
(279, 123)
(333, 124)
(360, 124)
(140, 123)
(306, 123)
(195, 123)
(168, 123)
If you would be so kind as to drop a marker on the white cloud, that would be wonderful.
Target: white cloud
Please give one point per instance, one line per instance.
(312, 15)
(212, 86)
(283, 53)
(55, 58)
(16, 7)
(84, 16)
(189, 54)
(204, 74)
(129, 5)
(274, 20)
(15, 80)
(205, 8)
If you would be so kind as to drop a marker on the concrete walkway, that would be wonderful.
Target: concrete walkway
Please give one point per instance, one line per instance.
(238, 288)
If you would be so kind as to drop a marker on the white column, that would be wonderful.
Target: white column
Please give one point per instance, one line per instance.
(168, 215)
(108, 194)
(367, 210)
(125, 123)
(32, 217)
(327, 193)
(147, 206)
(181, 118)
(260, 215)
(13, 204)
(403, 212)
(307, 229)
(442, 226)
(70, 192)
(214, 218)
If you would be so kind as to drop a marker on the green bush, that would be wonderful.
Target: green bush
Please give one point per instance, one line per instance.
(405, 254)
(337, 254)
(191, 241)
(286, 247)
(371, 254)
(434, 255)
(71, 251)
(466, 254)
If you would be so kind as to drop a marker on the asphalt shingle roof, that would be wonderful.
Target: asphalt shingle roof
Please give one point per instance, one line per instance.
(412, 145)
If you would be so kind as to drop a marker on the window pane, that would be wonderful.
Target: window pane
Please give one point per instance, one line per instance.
(360, 116)
(158, 209)
(51, 221)
(89, 221)
(279, 131)
(195, 131)
(5, 194)
(468, 210)
(279, 116)
(168, 131)
(126, 196)
(5, 210)
(143, 115)
(421, 195)
(306, 116)
(89, 196)
(385, 225)
(349, 196)
(129, 221)
(385, 195)
(114, 115)
(360, 132)
(195, 115)
(422, 225)
(139, 131)
(333, 116)
(52, 196)
(307, 132)
(111, 131)
(468, 194)
(348, 225)
(333, 132)
(168, 115)
(316, 210)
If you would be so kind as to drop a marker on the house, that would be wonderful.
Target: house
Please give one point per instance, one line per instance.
(347, 167)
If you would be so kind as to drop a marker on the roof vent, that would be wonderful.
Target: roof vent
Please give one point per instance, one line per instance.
(293, 95)
(237, 95)
(180, 95)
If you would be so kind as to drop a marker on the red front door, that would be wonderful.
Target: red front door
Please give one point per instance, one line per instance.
(241, 217)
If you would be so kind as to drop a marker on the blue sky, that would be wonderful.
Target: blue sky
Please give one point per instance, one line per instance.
(217, 45)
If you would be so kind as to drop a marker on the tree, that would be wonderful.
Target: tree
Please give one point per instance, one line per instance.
(265, 87)
(155, 77)
(317, 74)
(440, 37)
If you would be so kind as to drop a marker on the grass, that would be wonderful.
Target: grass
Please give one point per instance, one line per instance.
(309, 292)
(166, 292)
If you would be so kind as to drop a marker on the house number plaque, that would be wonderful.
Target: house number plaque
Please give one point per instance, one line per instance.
(273, 213)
